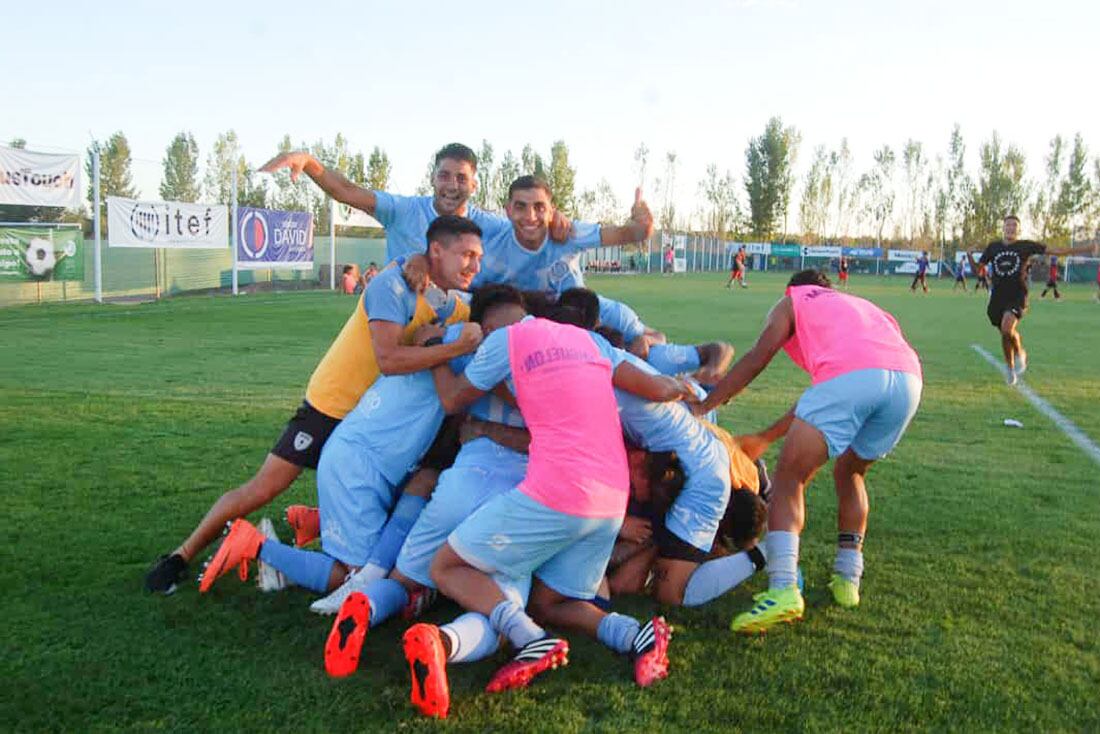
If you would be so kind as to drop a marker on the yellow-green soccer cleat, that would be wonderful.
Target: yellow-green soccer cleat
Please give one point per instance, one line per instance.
(771, 608)
(845, 593)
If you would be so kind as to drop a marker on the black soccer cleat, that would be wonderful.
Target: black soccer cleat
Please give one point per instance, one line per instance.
(166, 574)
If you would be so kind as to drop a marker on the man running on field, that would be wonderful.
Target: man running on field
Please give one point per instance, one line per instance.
(922, 273)
(737, 270)
(866, 387)
(1052, 280)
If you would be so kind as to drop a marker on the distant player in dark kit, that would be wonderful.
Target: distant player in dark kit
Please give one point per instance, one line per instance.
(842, 271)
(960, 276)
(1009, 259)
(1052, 279)
(922, 273)
(737, 268)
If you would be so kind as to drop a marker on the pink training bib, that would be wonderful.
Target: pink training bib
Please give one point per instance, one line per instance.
(563, 386)
(835, 333)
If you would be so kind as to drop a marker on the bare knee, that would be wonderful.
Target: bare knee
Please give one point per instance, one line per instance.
(443, 562)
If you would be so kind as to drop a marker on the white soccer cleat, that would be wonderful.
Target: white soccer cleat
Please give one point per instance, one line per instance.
(1010, 376)
(1021, 363)
(269, 578)
(357, 581)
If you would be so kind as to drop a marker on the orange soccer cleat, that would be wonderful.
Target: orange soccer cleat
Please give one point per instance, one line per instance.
(345, 641)
(240, 546)
(535, 658)
(431, 693)
(305, 521)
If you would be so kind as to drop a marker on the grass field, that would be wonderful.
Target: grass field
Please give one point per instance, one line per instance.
(121, 424)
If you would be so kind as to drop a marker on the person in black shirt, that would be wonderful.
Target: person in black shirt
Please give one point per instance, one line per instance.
(1009, 261)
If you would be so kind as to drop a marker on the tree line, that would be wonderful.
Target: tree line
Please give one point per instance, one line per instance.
(908, 195)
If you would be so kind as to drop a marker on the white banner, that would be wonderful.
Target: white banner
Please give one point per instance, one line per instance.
(902, 255)
(172, 224)
(39, 179)
(347, 216)
(821, 251)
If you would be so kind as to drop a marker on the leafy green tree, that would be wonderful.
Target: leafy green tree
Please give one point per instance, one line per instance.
(507, 172)
(817, 193)
(840, 174)
(1001, 187)
(116, 178)
(181, 169)
(486, 195)
(720, 192)
(1075, 194)
(531, 162)
(915, 167)
(561, 178)
(878, 190)
(378, 170)
(666, 217)
(768, 177)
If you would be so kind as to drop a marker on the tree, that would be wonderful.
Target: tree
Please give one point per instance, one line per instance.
(1001, 188)
(485, 196)
(768, 176)
(531, 162)
(378, 170)
(115, 176)
(817, 193)
(877, 187)
(506, 173)
(915, 166)
(957, 186)
(667, 216)
(181, 170)
(561, 177)
(720, 192)
(599, 204)
(18, 143)
(1076, 190)
(840, 173)
(641, 157)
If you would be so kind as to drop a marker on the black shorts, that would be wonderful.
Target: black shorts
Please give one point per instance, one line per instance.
(441, 454)
(670, 546)
(304, 436)
(998, 306)
(1052, 284)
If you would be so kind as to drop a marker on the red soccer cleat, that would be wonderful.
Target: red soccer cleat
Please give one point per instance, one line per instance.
(535, 658)
(306, 523)
(420, 601)
(428, 669)
(651, 652)
(240, 546)
(345, 641)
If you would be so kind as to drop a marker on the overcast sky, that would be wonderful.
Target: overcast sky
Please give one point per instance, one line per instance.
(697, 78)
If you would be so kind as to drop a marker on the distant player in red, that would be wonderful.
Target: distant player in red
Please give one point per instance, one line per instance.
(1052, 280)
(737, 270)
(983, 277)
(842, 269)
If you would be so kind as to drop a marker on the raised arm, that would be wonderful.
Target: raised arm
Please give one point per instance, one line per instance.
(395, 358)
(777, 330)
(656, 388)
(456, 393)
(637, 229)
(331, 182)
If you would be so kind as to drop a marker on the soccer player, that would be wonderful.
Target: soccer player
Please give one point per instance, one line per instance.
(922, 273)
(454, 181)
(842, 270)
(373, 341)
(866, 386)
(1010, 261)
(560, 523)
(983, 275)
(960, 276)
(362, 466)
(1052, 279)
(737, 270)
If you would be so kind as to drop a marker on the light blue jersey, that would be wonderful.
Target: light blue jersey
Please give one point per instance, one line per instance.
(622, 318)
(389, 298)
(674, 359)
(406, 219)
(552, 268)
(695, 514)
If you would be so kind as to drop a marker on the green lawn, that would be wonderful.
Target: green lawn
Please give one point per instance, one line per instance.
(121, 424)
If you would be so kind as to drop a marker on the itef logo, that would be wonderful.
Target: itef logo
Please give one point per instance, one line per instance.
(254, 235)
(145, 222)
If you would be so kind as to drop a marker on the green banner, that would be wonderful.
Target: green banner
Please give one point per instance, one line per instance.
(787, 250)
(41, 253)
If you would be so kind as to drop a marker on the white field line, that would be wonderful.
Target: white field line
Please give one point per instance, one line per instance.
(1064, 424)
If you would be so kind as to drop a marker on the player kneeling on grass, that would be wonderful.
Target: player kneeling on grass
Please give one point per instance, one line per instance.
(559, 524)
(364, 518)
(866, 387)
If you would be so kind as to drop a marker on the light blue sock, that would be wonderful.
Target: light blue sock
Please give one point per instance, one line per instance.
(396, 529)
(509, 619)
(387, 597)
(618, 631)
(781, 548)
(714, 578)
(310, 569)
(472, 638)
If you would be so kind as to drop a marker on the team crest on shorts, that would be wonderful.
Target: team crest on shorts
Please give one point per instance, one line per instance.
(302, 441)
(499, 542)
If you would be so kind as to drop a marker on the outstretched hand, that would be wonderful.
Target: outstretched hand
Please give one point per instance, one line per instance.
(295, 161)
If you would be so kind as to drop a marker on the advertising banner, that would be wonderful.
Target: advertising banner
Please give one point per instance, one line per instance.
(347, 216)
(41, 254)
(274, 239)
(820, 251)
(787, 250)
(875, 252)
(170, 224)
(39, 179)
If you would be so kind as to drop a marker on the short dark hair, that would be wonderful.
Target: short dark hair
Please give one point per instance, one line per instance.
(488, 297)
(584, 300)
(450, 225)
(348, 268)
(525, 183)
(810, 276)
(539, 303)
(565, 314)
(666, 479)
(457, 152)
(746, 515)
(1012, 216)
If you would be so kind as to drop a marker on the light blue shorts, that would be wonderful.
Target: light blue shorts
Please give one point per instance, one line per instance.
(461, 490)
(673, 359)
(514, 536)
(355, 501)
(866, 410)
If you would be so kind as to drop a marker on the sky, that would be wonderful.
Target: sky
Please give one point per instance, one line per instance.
(696, 78)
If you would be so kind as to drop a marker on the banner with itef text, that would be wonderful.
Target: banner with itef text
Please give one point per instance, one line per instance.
(170, 224)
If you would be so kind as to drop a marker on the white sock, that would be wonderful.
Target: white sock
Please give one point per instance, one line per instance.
(849, 564)
(782, 554)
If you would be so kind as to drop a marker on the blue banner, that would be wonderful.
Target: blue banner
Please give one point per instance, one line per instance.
(875, 252)
(271, 239)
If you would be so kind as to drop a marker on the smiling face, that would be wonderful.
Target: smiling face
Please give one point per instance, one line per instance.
(453, 183)
(530, 211)
(455, 260)
(1011, 229)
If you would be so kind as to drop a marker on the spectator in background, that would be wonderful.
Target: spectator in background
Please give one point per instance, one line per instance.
(350, 280)
(370, 272)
